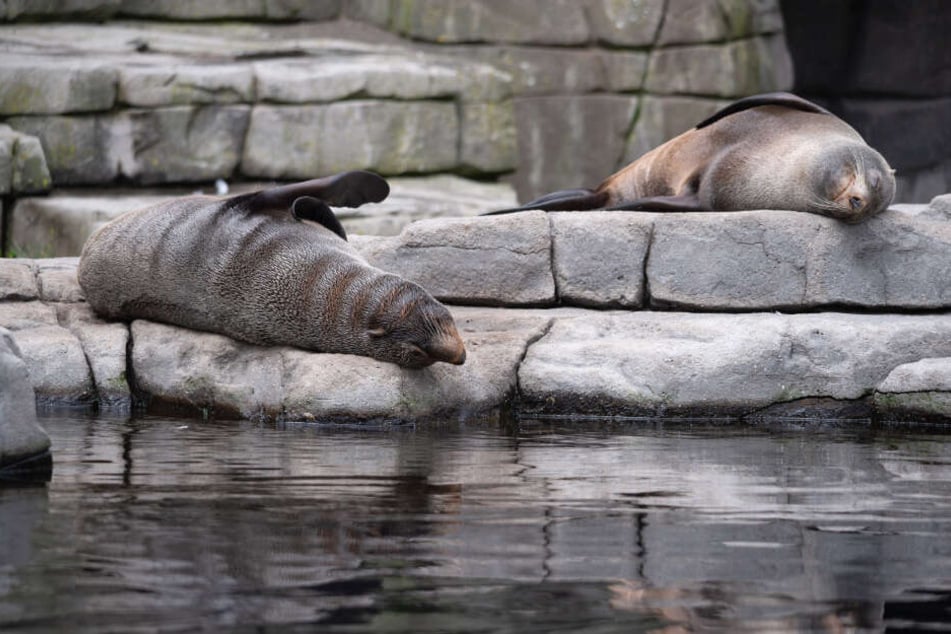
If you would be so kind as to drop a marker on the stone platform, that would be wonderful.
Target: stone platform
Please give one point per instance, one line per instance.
(745, 315)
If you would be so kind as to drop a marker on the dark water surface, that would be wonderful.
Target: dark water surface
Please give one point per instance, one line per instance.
(173, 526)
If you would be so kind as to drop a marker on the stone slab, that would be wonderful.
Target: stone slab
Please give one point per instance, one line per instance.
(388, 137)
(17, 281)
(496, 261)
(653, 364)
(631, 24)
(21, 438)
(23, 168)
(40, 85)
(105, 346)
(696, 21)
(185, 83)
(916, 391)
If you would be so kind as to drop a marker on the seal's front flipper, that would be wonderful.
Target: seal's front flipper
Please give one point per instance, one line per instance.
(688, 202)
(309, 208)
(566, 200)
(349, 189)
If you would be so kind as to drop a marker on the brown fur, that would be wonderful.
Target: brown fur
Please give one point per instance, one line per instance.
(246, 267)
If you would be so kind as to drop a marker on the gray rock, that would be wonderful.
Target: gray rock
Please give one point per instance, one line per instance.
(378, 12)
(599, 257)
(554, 140)
(208, 372)
(624, 71)
(58, 225)
(662, 118)
(183, 143)
(388, 137)
(21, 438)
(673, 363)
(941, 205)
(86, 9)
(79, 150)
(544, 70)
(151, 86)
(17, 281)
(38, 85)
(54, 356)
(788, 260)
(233, 9)
(105, 346)
(698, 21)
(23, 168)
(632, 24)
(56, 279)
(735, 69)
(917, 390)
(560, 22)
(389, 76)
(487, 137)
(497, 261)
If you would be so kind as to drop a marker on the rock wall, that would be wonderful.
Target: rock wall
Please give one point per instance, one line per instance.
(790, 315)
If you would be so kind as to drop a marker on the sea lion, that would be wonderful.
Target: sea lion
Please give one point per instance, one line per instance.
(271, 267)
(770, 151)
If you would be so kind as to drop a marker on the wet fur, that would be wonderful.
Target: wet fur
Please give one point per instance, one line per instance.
(260, 268)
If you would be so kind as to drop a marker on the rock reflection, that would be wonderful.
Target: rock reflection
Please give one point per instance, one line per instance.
(152, 523)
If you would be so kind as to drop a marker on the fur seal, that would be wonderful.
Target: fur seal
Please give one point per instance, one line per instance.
(769, 151)
(271, 267)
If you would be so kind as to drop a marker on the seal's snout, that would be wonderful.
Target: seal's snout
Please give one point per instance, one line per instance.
(449, 348)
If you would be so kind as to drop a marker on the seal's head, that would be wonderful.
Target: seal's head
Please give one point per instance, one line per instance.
(853, 182)
(410, 328)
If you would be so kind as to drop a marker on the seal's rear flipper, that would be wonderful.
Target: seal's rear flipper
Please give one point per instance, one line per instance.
(566, 200)
(785, 99)
(309, 208)
(688, 202)
(349, 189)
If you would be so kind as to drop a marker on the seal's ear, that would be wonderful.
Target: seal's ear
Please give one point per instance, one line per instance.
(309, 208)
(566, 200)
(688, 202)
(785, 99)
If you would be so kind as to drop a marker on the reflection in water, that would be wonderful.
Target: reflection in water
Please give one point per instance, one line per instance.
(153, 523)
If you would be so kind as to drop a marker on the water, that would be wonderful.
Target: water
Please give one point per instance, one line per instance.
(158, 525)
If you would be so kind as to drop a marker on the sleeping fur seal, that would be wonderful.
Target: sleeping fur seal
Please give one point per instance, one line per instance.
(770, 151)
(272, 268)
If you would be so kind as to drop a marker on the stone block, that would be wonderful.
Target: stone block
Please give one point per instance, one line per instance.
(624, 71)
(56, 279)
(560, 22)
(488, 137)
(59, 225)
(377, 12)
(58, 369)
(181, 84)
(84, 9)
(598, 257)
(105, 346)
(17, 281)
(734, 69)
(544, 70)
(23, 168)
(554, 140)
(920, 390)
(233, 9)
(387, 137)
(388, 76)
(79, 150)
(654, 364)
(37, 85)
(21, 438)
(699, 21)
(628, 24)
(497, 261)
(660, 119)
(184, 143)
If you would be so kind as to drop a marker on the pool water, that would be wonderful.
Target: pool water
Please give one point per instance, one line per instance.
(157, 525)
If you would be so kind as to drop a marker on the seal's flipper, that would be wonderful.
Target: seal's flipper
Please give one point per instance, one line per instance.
(785, 99)
(566, 200)
(349, 189)
(688, 202)
(309, 208)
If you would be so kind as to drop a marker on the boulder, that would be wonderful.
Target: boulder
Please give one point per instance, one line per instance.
(385, 136)
(654, 364)
(217, 375)
(495, 261)
(920, 390)
(24, 446)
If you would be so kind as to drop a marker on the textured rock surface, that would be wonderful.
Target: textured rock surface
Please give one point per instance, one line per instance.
(494, 261)
(23, 168)
(21, 439)
(918, 390)
(674, 363)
